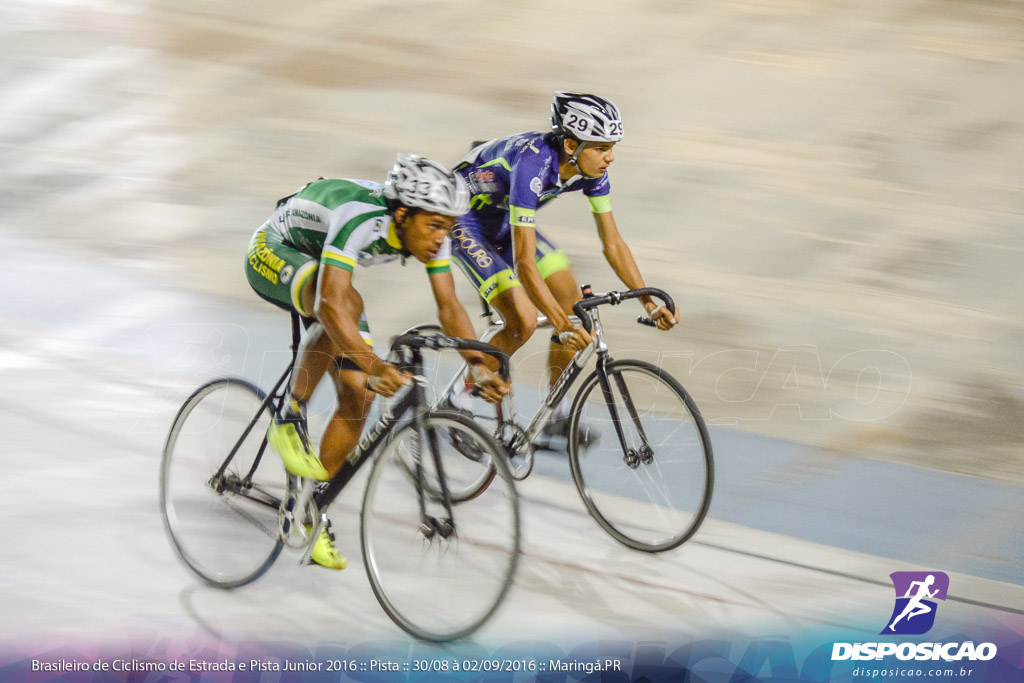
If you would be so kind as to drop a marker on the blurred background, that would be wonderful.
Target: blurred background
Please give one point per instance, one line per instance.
(832, 191)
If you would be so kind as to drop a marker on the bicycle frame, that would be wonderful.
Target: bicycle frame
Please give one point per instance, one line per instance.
(591, 320)
(414, 398)
(371, 440)
(561, 386)
(565, 381)
(271, 396)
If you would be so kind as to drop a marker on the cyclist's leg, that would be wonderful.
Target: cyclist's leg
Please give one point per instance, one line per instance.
(352, 407)
(342, 434)
(554, 268)
(286, 277)
(485, 265)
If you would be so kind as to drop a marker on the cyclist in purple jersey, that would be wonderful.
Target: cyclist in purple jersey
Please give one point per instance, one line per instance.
(514, 266)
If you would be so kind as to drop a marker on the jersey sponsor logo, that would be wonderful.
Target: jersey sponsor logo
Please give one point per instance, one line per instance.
(525, 220)
(472, 248)
(286, 274)
(550, 194)
(305, 215)
(264, 261)
(479, 201)
(537, 186)
(482, 181)
(262, 269)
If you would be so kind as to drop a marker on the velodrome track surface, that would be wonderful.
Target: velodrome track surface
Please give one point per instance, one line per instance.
(795, 539)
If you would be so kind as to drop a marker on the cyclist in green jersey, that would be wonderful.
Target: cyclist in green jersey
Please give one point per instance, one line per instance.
(303, 260)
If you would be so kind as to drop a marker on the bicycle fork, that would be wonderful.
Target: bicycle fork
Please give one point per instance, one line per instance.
(633, 457)
(430, 526)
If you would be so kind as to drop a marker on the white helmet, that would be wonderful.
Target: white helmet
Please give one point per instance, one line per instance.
(587, 118)
(425, 184)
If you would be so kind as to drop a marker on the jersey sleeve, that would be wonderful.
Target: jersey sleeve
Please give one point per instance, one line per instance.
(598, 192)
(345, 239)
(441, 263)
(526, 183)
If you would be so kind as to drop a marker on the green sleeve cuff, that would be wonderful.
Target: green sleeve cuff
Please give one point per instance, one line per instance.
(602, 204)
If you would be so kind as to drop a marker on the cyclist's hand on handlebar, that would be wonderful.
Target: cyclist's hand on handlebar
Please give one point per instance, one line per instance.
(386, 379)
(576, 338)
(663, 318)
(491, 387)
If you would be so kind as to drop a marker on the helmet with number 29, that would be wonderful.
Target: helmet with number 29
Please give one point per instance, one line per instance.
(586, 118)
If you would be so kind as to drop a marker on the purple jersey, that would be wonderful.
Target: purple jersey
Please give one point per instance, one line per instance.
(510, 178)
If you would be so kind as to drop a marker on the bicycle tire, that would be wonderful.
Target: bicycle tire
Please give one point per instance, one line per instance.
(628, 501)
(451, 587)
(199, 440)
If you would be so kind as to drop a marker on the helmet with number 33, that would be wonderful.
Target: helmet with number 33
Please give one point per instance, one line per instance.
(425, 184)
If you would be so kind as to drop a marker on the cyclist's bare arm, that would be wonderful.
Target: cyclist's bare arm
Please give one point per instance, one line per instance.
(620, 258)
(525, 243)
(338, 307)
(455, 322)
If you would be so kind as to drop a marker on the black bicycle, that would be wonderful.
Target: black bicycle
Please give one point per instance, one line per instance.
(438, 565)
(639, 451)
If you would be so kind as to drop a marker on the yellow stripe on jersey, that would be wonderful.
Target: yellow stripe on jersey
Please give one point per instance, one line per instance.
(438, 266)
(339, 260)
(392, 238)
(298, 282)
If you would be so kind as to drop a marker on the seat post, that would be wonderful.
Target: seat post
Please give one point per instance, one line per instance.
(488, 312)
(296, 335)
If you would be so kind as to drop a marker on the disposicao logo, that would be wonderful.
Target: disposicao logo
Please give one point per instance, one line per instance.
(916, 593)
(914, 614)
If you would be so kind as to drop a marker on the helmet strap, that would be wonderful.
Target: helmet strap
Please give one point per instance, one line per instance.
(580, 144)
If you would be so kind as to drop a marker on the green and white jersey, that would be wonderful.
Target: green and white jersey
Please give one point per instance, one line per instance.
(344, 222)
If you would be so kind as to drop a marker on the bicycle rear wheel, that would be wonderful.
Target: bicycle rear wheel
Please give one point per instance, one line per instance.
(652, 489)
(434, 587)
(224, 526)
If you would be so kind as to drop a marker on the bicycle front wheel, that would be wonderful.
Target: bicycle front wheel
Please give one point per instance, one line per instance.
(647, 474)
(440, 581)
(221, 513)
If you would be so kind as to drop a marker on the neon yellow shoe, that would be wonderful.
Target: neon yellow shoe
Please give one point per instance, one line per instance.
(325, 553)
(290, 439)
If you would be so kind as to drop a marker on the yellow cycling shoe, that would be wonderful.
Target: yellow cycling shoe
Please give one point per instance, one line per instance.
(325, 553)
(289, 438)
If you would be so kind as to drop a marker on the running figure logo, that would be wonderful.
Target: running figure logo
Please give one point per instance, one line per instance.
(914, 612)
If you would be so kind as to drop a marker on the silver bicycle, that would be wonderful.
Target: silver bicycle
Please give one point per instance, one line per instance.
(639, 450)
